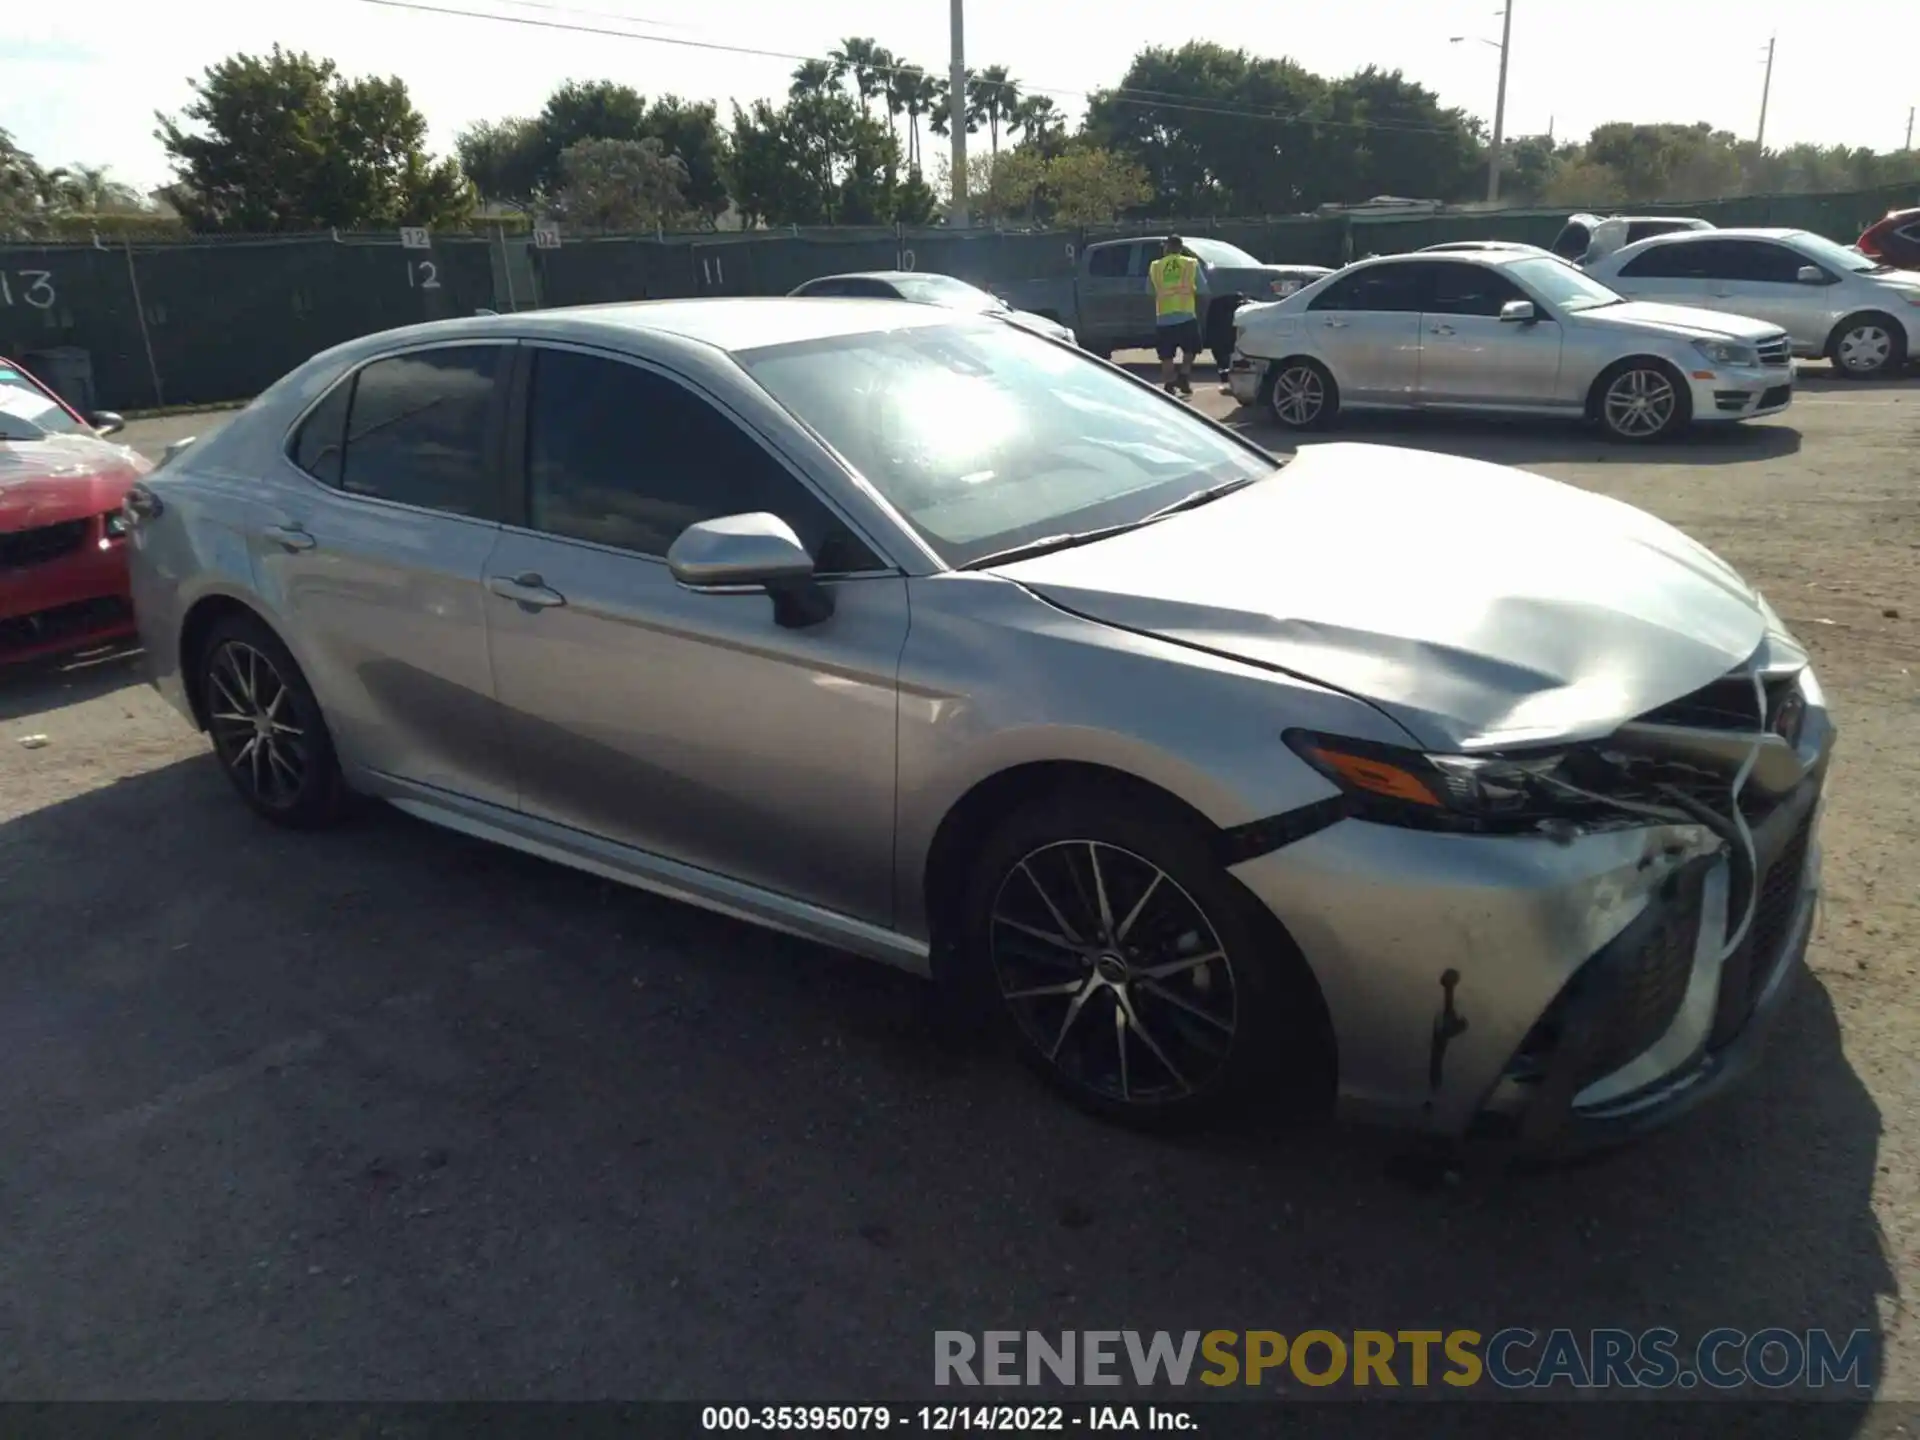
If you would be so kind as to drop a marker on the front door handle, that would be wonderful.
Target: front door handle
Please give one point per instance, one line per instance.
(527, 588)
(1441, 330)
(289, 537)
(1334, 324)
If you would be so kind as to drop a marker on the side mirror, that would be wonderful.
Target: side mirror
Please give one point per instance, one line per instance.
(106, 422)
(1517, 312)
(1811, 275)
(732, 554)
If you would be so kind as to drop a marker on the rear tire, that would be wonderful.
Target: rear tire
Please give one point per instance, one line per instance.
(1867, 346)
(267, 730)
(1300, 394)
(1641, 401)
(1177, 1003)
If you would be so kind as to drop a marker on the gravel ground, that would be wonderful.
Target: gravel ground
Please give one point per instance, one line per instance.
(389, 1113)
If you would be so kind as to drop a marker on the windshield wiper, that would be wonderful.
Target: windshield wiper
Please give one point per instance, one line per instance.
(1047, 544)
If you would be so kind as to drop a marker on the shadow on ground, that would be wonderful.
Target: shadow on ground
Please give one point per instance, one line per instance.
(37, 686)
(388, 1112)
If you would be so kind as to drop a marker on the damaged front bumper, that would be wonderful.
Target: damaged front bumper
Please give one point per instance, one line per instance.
(1561, 992)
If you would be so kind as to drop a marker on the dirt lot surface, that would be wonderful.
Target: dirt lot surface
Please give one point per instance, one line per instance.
(386, 1112)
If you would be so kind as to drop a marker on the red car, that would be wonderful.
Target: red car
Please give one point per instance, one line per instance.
(63, 563)
(1894, 240)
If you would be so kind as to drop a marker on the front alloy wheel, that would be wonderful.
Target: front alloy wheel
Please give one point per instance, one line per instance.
(1641, 404)
(1299, 398)
(1113, 973)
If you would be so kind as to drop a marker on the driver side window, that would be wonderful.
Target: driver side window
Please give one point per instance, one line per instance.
(623, 456)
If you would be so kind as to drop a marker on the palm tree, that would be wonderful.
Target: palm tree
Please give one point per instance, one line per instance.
(1036, 117)
(859, 60)
(919, 95)
(991, 96)
(812, 77)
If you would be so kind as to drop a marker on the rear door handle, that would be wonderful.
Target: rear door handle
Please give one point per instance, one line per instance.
(527, 588)
(289, 537)
(1441, 330)
(1334, 324)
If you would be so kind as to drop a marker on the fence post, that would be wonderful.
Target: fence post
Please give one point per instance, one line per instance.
(140, 310)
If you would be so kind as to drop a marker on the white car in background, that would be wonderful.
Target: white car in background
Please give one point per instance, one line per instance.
(1585, 239)
(1830, 299)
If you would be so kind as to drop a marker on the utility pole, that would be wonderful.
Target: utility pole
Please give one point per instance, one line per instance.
(957, 113)
(1499, 107)
(1766, 89)
(1910, 110)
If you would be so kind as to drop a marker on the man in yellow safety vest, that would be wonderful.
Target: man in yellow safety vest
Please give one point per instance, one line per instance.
(1176, 280)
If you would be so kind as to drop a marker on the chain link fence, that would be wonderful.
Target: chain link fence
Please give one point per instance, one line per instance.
(137, 324)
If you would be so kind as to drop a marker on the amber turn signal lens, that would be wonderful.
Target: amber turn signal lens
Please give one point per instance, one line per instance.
(1378, 777)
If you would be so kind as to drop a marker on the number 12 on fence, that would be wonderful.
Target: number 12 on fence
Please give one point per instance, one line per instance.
(422, 275)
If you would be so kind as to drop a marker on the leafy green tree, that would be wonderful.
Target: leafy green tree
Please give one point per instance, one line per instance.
(689, 131)
(621, 186)
(1392, 137)
(503, 158)
(1091, 186)
(284, 142)
(586, 110)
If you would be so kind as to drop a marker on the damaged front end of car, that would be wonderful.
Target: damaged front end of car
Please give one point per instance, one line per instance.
(1590, 935)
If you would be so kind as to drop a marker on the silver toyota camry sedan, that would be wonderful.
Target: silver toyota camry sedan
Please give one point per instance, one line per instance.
(1463, 797)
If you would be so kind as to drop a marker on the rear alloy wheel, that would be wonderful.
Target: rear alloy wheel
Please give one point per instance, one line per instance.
(1642, 402)
(1301, 396)
(266, 727)
(1866, 347)
(1132, 971)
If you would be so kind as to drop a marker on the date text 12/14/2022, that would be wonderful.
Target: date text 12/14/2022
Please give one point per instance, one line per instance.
(940, 1419)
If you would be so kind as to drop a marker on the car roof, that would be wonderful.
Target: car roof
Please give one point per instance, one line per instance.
(876, 275)
(730, 323)
(1743, 232)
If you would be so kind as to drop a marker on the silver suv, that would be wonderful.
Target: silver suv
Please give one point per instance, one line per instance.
(1835, 302)
(1499, 331)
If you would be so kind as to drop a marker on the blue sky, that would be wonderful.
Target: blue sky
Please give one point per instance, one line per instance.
(80, 80)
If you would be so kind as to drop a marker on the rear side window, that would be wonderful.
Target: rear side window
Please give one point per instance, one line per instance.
(1110, 262)
(418, 427)
(1391, 288)
(1647, 229)
(1665, 262)
(320, 442)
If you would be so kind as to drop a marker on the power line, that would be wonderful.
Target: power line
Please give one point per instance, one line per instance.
(1127, 95)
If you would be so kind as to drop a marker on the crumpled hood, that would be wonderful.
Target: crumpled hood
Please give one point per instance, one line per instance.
(1477, 605)
(1684, 320)
(63, 477)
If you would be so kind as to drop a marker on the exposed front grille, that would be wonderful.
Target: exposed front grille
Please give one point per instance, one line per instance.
(1725, 704)
(1777, 351)
(1642, 994)
(1778, 395)
(21, 548)
(20, 633)
(1746, 969)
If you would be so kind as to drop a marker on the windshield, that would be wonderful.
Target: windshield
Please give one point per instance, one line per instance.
(947, 291)
(986, 437)
(1218, 252)
(1561, 285)
(1835, 257)
(20, 397)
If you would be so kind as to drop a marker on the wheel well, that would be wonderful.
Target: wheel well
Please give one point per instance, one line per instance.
(201, 619)
(972, 818)
(1628, 362)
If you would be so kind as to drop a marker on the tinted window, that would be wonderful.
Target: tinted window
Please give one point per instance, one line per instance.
(1110, 261)
(623, 456)
(1573, 241)
(1770, 264)
(1470, 290)
(984, 436)
(1909, 232)
(1680, 261)
(866, 289)
(317, 444)
(1647, 229)
(823, 287)
(417, 429)
(1377, 288)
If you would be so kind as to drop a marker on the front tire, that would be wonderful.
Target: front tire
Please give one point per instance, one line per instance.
(1867, 346)
(1641, 401)
(267, 730)
(1130, 969)
(1301, 394)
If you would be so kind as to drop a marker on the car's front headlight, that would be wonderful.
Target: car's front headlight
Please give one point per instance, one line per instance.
(1397, 786)
(1725, 352)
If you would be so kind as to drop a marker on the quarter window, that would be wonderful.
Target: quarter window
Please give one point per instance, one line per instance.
(623, 456)
(417, 429)
(320, 441)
